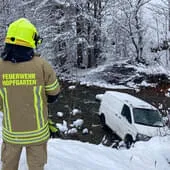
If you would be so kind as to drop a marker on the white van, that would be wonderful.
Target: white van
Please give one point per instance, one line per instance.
(129, 117)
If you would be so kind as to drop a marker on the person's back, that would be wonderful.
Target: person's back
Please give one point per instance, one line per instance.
(26, 82)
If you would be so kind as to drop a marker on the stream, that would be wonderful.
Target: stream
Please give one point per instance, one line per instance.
(83, 98)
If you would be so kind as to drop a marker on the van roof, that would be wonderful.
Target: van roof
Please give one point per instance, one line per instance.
(130, 100)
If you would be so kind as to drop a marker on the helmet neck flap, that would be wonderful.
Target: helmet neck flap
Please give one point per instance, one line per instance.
(17, 53)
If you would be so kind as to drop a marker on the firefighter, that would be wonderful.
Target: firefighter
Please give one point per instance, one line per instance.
(27, 84)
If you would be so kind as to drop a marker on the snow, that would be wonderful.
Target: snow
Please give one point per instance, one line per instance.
(62, 126)
(167, 94)
(76, 155)
(127, 98)
(75, 112)
(60, 114)
(91, 76)
(72, 87)
(72, 131)
(99, 96)
(78, 123)
(85, 131)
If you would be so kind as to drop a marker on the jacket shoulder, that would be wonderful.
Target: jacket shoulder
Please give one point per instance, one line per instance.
(40, 60)
(1, 61)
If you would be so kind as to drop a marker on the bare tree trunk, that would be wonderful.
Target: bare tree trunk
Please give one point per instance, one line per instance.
(89, 49)
(79, 45)
(97, 16)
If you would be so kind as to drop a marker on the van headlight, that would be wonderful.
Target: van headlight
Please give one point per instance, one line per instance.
(142, 137)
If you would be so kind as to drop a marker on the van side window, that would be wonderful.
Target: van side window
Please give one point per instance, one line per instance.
(126, 113)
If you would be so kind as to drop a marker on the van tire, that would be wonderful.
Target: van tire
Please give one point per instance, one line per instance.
(128, 141)
(102, 120)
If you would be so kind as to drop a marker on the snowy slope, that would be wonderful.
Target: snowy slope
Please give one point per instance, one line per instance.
(75, 155)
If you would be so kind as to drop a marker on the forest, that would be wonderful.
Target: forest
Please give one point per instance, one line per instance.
(88, 33)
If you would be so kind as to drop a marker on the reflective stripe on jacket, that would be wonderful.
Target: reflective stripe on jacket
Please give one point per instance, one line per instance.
(23, 89)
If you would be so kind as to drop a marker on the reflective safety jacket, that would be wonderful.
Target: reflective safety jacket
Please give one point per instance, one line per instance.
(24, 88)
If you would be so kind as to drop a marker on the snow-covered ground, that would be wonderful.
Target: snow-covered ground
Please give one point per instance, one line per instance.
(75, 155)
(92, 76)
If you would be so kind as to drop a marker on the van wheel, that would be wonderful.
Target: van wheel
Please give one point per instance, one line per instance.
(128, 141)
(102, 119)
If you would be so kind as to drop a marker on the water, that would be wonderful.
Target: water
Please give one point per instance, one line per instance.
(84, 99)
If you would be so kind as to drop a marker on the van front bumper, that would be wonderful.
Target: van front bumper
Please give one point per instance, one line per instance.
(142, 137)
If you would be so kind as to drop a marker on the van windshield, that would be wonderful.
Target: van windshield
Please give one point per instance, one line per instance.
(147, 117)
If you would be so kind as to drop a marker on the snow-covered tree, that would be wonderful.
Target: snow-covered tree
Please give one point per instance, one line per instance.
(71, 31)
(4, 16)
(80, 33)
(160, 42)
(127, 28)
(89, 16)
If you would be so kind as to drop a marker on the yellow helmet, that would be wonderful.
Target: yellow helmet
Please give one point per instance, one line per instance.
(22, 32)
